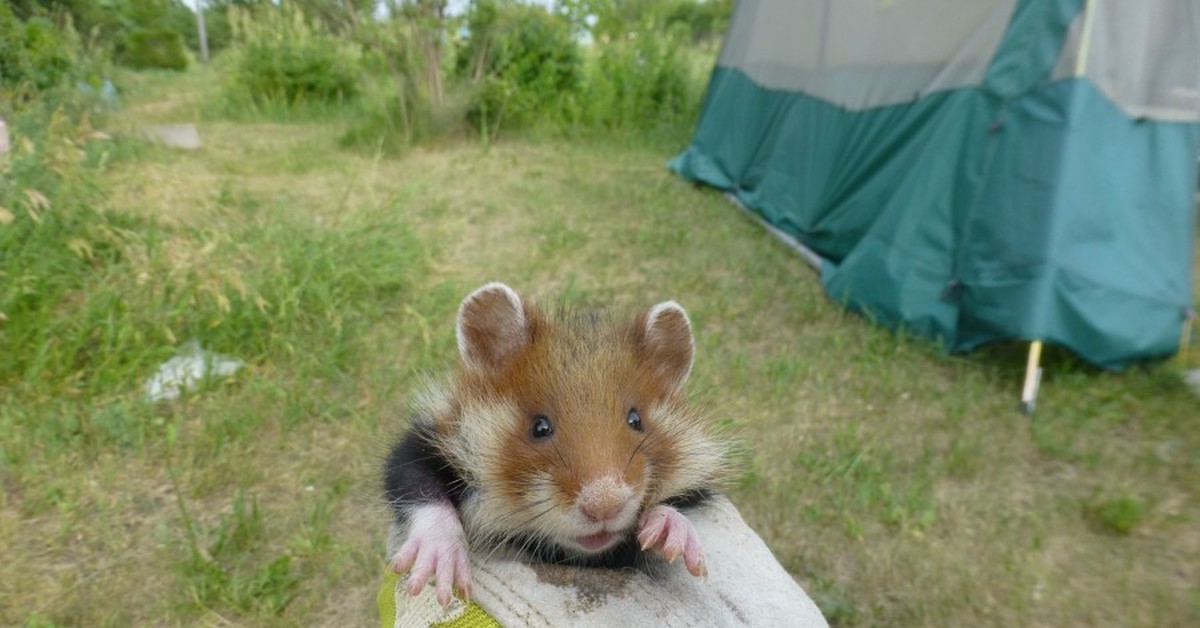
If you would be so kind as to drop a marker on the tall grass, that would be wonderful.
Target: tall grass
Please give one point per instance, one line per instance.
(283, 61)
(643, 84)
(522, 70)
(93, 298)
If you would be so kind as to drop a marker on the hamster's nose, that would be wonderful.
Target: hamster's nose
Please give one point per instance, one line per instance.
(602, 510)
(604, 498)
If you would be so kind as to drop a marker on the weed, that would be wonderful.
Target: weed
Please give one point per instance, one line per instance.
(1118, 515)
(226, 572)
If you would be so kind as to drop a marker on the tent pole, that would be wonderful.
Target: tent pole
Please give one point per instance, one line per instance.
(1085, 38)
(1185, 338)
(1033, 377)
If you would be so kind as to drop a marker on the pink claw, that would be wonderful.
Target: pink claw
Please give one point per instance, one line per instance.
(436, 547)
(666, 531)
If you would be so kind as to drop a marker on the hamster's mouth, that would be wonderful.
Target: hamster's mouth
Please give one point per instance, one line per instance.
(596, 542)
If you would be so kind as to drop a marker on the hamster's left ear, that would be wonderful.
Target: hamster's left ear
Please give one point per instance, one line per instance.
(492, 327)
(665, 337)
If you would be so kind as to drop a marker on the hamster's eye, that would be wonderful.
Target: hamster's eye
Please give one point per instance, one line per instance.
(634, 419)
(542, 427)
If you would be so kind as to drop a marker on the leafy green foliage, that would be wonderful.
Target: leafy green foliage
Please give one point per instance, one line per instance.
(703, 21)
(285, 60)
(641, 83)
(146, 36)
(610, 20)
(397, 109)
(529, 70)
(524, 62)
(33, 52)
(158, 48)
(294, 72)
(103, 19)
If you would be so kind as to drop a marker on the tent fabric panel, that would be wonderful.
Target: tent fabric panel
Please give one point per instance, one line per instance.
(895, 290)
(970, 220)
(860, 54)
(1032, 46)
(1106, 327)
(1145, 56)
(1085, 232)
(824, 175)
(1077, 183)
(1029, 206)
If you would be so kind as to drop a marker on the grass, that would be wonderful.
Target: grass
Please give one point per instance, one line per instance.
(899, 485)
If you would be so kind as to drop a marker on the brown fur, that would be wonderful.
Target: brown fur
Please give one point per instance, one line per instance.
(585, 372)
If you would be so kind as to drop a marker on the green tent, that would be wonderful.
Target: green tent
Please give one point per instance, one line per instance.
(972, 171)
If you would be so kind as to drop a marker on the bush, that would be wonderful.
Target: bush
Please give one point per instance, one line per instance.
(640, 83)
(523, 61)
(396, 113)
(282, 60)
(148, 49)
(704, 21)
(32, 53)
(295, 72)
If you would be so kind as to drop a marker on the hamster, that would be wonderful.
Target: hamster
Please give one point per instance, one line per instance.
(565, 437)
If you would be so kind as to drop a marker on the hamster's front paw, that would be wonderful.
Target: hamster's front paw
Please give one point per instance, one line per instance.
(436, 546)
(664, 530)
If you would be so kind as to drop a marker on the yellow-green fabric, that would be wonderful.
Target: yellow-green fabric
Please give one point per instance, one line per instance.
(398, 609)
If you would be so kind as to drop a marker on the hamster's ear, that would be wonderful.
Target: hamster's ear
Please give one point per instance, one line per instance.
(491, 326)
(665, 335)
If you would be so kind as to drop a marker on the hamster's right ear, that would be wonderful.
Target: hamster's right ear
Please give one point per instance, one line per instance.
(665, 337)
(491, 326)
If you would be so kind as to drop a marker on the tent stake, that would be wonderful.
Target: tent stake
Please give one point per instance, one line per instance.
(1033, 377)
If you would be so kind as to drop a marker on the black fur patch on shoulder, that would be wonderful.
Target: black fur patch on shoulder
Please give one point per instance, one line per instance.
(691, 499)
(417, 473)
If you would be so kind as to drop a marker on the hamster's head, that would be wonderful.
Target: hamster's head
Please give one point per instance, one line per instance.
(571, 424)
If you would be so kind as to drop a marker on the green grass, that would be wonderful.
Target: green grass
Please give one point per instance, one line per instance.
(899, 485)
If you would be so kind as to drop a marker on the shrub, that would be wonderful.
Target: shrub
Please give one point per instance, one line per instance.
(157, 48)
(295, 72)
(704, 21)
(32, 53)
(640, 83)
(284, 60)
(523, 62)
(399, 114)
